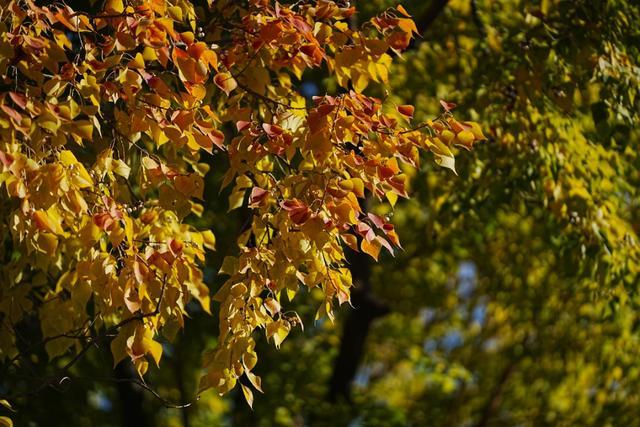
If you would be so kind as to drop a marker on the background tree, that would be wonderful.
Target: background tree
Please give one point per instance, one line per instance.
(514, 300)
(107, 113)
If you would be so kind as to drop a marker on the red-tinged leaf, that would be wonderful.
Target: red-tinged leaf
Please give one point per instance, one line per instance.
(398, 185)
(272, 131)
(448, 106)
(300, 216)
(399, 40)
(289, 205)
(43, 222)
(258, 195)
(218, 138)
(385, 172)
(458, 127)
(298, 211)
(378, 221)
(35, 42)
(12, 113)
(6, 158)
(406, 110)
(175, 246)
(385, 243)
(325, 109)
(365, 231)
(242, 125)
(226, 82)
(196, 50)
(19, 99)
(203, 141)
(343, 297)
(103, 220)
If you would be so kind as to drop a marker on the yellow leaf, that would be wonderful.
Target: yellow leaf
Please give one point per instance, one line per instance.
(391, 197)
(120, 168)
(6, 422)
(372, 248)
(446, 162)
(114, 6)
(84, 129)
(149, 54)
(156, 133)
(236, 199)
(209, 240)
(248, 395)
(229, 265)
(175, 12)
(7, 405)
(465, 139)
(137, 62)
(128, 230)
(360, 80)
(141, 366)
(154, 348)
(226, 82)
(43, 222)
(119, 346)
(279, 331)
(67, 158)
(250, 358)
(191, 185)
(354, 184)
(255, 380)
(47, 243)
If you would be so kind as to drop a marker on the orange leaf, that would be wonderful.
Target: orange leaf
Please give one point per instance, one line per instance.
(226, 82)
(406, 110)
(372, 248)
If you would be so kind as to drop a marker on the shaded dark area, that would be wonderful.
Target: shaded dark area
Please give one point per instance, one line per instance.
(366, 308)
(131, 397)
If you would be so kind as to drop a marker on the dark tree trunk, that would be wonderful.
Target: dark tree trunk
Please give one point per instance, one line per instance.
(131, 397)
(356, 328)
(424, 21)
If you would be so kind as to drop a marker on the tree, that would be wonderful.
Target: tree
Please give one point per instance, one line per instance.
(111, 118)
(515, 299)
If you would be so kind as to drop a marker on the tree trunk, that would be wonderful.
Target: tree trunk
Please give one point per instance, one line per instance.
(356, 328)
(131, 397)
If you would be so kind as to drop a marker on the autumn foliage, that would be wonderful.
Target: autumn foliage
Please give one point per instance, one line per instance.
(106, 124)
